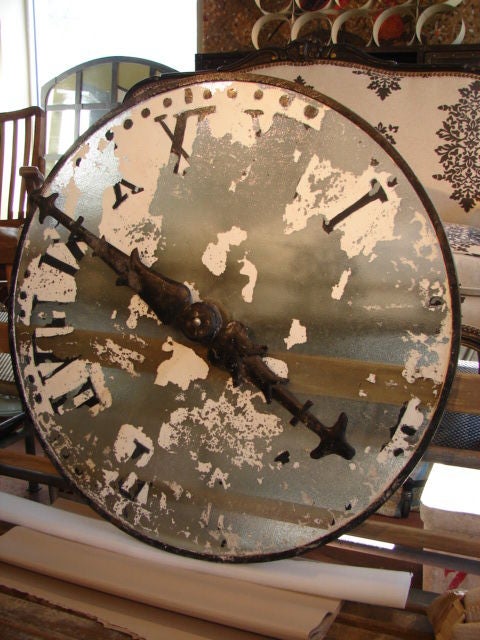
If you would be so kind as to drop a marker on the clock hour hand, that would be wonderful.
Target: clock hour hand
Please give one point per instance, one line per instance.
(228, 342)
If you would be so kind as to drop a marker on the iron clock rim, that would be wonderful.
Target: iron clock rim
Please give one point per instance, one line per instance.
(165, 85)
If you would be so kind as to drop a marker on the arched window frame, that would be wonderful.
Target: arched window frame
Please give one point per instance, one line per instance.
(79, 106)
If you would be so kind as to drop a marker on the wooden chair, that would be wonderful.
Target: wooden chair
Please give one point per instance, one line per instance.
(22, 149)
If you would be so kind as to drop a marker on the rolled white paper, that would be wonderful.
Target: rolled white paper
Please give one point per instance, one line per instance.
(359, 584)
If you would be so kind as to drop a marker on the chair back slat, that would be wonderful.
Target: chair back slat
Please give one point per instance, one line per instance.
(28, 141)
(22, 143)
(27, 155)
(2, 150)
(13, 167)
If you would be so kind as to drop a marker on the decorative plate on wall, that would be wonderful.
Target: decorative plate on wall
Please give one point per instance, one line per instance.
(235, 317)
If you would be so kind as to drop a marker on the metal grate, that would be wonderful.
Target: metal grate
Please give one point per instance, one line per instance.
(6, 369)
(460, 430)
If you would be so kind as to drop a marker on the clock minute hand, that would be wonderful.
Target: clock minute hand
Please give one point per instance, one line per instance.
(229, 345)
(232, 349)
(166, 297)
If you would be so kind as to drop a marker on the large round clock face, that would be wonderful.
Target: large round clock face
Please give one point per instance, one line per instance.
(292, 216)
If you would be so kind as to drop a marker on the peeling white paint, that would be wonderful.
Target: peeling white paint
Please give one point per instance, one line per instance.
(430, 358)
(176, 488)
(45, 284)
(168, 436)
(51, 233)
(63, 384)
(326, 190)
(162, 504)
(243, 127)
(409, 263)
(110, 478)
(426, 245)
(298, 212)
(127, 441)
(338, 289)
(230, 425)
(364, 229)
(203, 467)
(215, 255)
(248, 269)
(51, 332)
(194, 292)
(182, 368)
(219, 479)
(413, 418)
(205, 515)
(243, 177)
(138, 308)
(432, 289)
(279, 367)
(132, 235)
(118, 355)
(297, 335)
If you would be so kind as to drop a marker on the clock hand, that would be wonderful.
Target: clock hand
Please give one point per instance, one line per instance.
(164, 296)
(233, 349)
(229, 345)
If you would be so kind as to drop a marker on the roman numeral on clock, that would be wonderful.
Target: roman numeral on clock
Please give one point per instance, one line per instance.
(177, 136)
(64, 257)
(133, 488)
(120, 196)
(376, 192)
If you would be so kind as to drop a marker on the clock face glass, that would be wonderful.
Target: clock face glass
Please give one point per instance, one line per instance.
(296, 220)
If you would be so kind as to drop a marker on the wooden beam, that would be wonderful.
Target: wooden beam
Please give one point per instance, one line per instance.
(4, 346)
(27, 462)
(456, 457)
(417, 538)
(308, 372)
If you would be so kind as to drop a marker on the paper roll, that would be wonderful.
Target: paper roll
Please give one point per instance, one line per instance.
(370, 586)
(286, 615)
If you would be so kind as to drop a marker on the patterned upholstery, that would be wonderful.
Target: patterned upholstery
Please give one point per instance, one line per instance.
(432, 119)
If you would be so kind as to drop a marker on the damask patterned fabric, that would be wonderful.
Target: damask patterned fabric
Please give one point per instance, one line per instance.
(432, 119)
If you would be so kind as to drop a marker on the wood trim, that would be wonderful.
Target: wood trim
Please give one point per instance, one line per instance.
(463, 396)
(2, 154)
(457, 457)
(412, 537)
(27, 462)
(4, 344)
